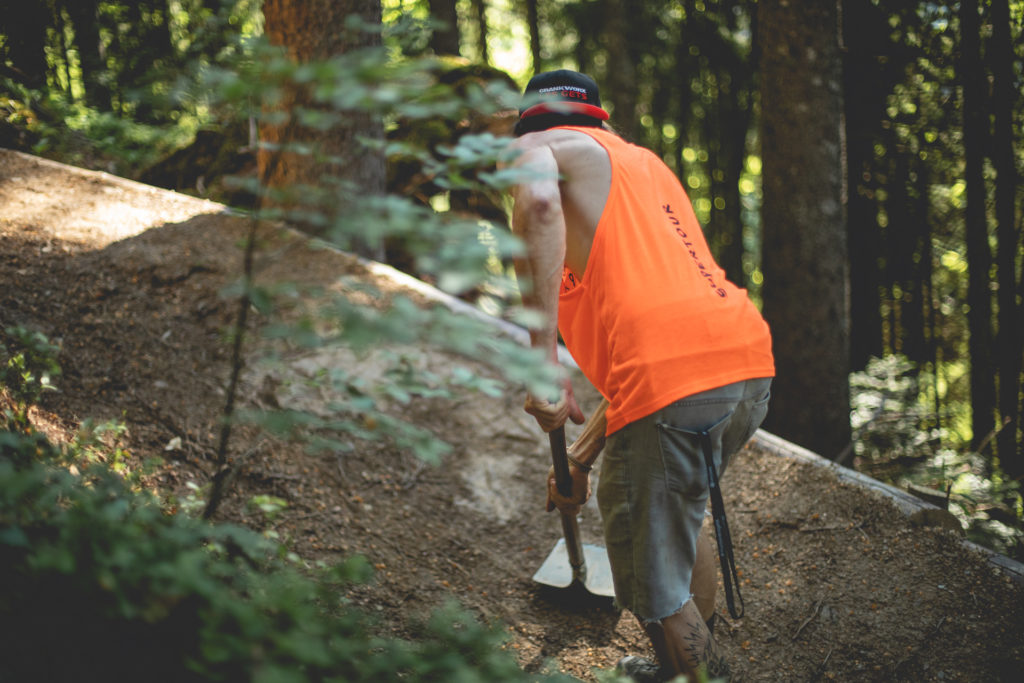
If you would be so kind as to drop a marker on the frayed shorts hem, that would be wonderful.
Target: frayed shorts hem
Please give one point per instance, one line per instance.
(657, 620)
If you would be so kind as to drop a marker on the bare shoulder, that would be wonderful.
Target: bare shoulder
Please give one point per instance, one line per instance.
(570, 149)
(560, 141)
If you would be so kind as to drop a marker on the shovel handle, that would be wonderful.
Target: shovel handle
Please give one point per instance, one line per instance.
(560, 460)
(570, 527)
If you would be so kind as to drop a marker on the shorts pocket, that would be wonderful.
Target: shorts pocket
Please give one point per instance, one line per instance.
(758, 411)
(741, 432)
(683, 458)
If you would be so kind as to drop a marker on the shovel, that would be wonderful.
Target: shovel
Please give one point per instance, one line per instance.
(572, 563)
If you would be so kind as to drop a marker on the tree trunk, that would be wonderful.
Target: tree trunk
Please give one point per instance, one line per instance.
(686, 126)
(87, 39)
(480, 11)
(141, 47)
(915, 285)
(1008, 339)
(622, 80)
(931, 323)
(63, 46)
(899, 253)
(907, 222)
(313, 30)
(979, 256)
(865, 87)
(805, 266)
(23, 25)
(728, 150)
(727, 120)
(533, 22)
(445, 39)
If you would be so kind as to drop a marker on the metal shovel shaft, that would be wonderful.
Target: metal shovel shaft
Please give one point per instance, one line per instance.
(572, 564)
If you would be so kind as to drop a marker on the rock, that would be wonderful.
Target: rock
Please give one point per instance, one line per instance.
(934, 517)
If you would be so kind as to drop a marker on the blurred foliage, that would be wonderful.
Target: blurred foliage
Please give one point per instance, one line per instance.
(98, 567)
(900, 439)
(361, 348)
(890, 421)
(127, 591)
(29, 364)
(119, 88)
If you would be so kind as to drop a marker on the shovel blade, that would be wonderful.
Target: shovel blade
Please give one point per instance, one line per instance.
(557, 572)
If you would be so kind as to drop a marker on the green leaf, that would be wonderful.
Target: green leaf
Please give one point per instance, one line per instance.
(14, 536)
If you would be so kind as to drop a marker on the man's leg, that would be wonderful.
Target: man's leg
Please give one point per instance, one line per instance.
(684, 645)
(682, 642)
(704, 583)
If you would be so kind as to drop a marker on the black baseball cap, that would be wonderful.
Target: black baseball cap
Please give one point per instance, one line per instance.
(563, 92)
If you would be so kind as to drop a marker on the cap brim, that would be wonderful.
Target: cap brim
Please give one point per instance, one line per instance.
(563, 107)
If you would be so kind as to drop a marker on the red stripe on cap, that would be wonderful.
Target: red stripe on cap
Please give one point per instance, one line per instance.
(563, 107)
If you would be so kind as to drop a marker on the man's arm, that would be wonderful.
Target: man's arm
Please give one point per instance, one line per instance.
(585, 449)
(538, 220)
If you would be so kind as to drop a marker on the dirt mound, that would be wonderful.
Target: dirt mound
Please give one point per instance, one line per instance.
(839, 583)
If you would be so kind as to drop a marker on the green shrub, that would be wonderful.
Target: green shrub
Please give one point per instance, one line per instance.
(99, 582)
(898, 440)
(28, 364)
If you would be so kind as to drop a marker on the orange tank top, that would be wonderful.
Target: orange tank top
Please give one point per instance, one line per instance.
(653, 318)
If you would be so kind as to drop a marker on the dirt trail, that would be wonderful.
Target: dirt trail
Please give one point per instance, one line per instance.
(839, 582)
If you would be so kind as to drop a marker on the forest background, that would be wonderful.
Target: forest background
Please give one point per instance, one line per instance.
(855, 166)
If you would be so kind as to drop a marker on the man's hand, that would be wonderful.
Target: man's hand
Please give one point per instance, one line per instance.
(551, 416)
(584, 450)
(580, 492)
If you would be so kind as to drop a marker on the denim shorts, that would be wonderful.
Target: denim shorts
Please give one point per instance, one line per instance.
(653, 491)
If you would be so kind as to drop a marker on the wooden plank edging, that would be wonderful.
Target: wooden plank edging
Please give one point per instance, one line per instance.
(907, 503)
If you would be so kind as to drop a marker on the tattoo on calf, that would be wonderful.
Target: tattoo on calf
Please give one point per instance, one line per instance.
(717, 666)
(702, 646)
